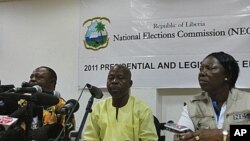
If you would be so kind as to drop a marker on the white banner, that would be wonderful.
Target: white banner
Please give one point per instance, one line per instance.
(162, 51)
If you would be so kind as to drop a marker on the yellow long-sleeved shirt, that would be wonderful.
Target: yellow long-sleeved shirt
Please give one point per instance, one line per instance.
(134, 122)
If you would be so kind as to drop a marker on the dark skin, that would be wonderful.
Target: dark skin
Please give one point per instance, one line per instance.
(212, 80)
(41, 77)
(118, 84)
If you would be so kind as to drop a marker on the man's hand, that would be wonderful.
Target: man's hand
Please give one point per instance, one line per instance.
(200, 135)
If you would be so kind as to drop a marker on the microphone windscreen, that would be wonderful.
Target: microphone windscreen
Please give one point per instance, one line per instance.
(4, 88)
(170, 121)
(45, 99)
(74, 102)
(42, 99)
(96, 92)
(8, 105)
(26, 84)
(19, 112)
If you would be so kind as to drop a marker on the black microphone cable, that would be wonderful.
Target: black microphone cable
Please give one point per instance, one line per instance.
(92, 90)
(70, 114)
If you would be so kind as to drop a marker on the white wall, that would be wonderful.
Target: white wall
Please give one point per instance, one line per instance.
(40, 32)
(46, 32)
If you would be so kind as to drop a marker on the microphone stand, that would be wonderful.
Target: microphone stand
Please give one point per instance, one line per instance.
(66, 130)
(66, 123)
(88, 110)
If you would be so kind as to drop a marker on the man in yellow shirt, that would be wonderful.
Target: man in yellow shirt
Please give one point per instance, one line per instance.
(121, 117)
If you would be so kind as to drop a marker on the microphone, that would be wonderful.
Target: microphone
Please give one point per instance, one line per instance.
(69, 106)
(38, 98)
(170, 121)
(33, 89)
(4, 88)
(26, 84)
(43, 99)
(96, 92)
(20, 112)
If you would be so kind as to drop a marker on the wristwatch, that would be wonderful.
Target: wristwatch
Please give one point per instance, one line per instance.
(225, 133)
